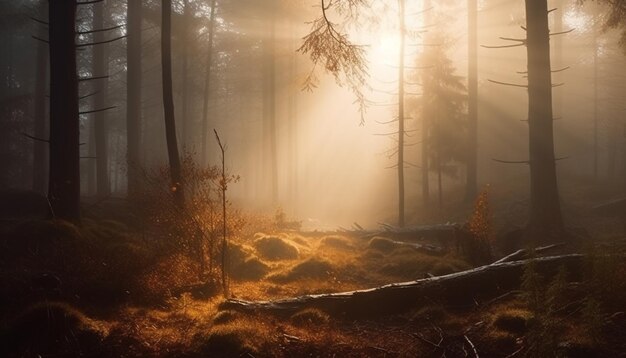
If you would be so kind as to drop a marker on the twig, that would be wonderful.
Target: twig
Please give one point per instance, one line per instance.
(471, 345)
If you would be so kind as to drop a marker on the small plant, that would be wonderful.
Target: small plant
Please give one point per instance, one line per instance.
(477, 245)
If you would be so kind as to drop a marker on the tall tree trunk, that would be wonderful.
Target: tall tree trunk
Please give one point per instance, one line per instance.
(269, 105)
(168, 103)
(425, 126)
(401, 14)
(207, 84)
(472, 104)
(293, 122)
(40, 150)
(596, 129)
(545, 221)
(185, 120)
(64, 184)
(133, 94)
(558, 52)
(100, 68)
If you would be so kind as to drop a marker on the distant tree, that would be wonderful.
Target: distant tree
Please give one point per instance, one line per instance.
(443, 106)
(64, 182)
(269, 100)
(100, 68)
(168, 103)
(133, 90)
(207, 82)
(401, 117)
(471, 184)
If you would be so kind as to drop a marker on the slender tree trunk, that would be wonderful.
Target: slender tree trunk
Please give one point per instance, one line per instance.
(90, 160)
(558, 52)
(100, 68)
(545, 221)
(168, 103)
(425, 127)
(207, 84)
(133, 88)
(269, 105)
(595, 97)
(40, 150)
(293, 123)
(401, 14)
(64, 184)
(471, 185)
(186, 121)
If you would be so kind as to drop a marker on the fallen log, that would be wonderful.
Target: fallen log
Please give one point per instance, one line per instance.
(457, 289)
(523, 253)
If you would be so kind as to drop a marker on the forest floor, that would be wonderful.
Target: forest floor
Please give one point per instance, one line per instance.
(88, 294)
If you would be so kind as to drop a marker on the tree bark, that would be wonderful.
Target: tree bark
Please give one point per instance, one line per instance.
(401, 14)
(100, 68)
(133, 88)
(176, 185)
(64, 183)
(471, 184)
(207, 84)
(545, 221)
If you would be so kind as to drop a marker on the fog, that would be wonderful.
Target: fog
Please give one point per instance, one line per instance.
(333, 164)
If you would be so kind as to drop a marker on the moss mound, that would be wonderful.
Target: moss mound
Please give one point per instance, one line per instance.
(223, 317)
(275, 248)
(312, 268)
(236, 339)
(52, 329)
(250, 269)
(310, 316)
(512, 321)
(381, 244)
(337, 242)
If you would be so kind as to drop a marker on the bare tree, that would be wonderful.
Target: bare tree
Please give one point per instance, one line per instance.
(545, 220)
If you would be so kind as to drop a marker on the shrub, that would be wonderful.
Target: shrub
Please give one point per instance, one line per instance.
(52, 329)
(479, 231)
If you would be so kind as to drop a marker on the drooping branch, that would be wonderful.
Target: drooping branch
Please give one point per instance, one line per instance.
(100, 30)
(331, 48)
(507, 84)
(511, 161)
(97, 110)
(35, 138)
(101, 42)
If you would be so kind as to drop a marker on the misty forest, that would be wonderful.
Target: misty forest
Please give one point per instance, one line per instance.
(313, 178)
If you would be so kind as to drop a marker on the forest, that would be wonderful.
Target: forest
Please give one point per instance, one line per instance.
(313, 178)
